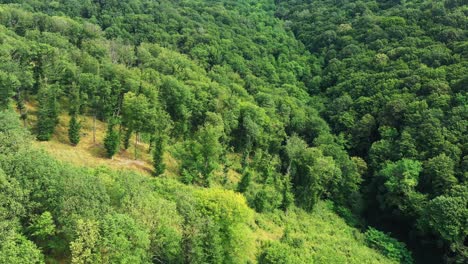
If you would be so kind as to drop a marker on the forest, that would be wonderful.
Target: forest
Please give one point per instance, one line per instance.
(326, 131)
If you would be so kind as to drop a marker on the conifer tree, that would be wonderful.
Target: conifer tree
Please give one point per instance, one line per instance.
(111, 141)
(74, 125)
(159, 145)
(126, 138)
(47, 117)
(245, 181)
(8, 83)
(74, 130)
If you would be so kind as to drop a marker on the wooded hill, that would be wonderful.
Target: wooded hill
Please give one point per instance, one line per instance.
(266, 107)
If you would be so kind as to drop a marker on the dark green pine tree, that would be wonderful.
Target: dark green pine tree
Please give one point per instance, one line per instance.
(111, 141)
(8, 84)
(74, 130)
(126, 138)
(74, 125)
(158, 152)
(47, 117)
(245, 181)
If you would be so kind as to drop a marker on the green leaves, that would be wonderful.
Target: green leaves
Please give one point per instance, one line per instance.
(439, 174)
(8, 85)
(313, 175)
(201, 156)
(42, 226)
(84, 248)
(112, 140)
(74, 130)
(230, 216)
(446, 216)
(17, 249)
(123, 240)
(158, 155)
(47, 117)
(389, 246)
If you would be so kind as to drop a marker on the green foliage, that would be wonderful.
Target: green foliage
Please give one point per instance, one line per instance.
(12, 205)
(201, 156)
(102, 216)
(390, 96)
(74, 130)
(446, 216)
(17, 249)
(8, 85)
(84, 247)
(12, 135)
(359, 102)
(111, 141)
(123, 241)
(267, 198)
(288, 195)
(388, 246)
(439, 174)
(156, 213)
(47, 113)
(42, 226)
(229, 229)
(158, 152)
(313, 238)
(245, 181)
(278, 253)
(267, 188)
(399, 186)
(313, 175)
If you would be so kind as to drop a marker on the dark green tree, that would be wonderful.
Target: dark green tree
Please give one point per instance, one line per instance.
(245, 181)
(111, 141)
(74, 125)
(158, 154)
(398, 191)
(47, 117)
(439, 174)
(8, 85)
(389, 246)
(74, 130)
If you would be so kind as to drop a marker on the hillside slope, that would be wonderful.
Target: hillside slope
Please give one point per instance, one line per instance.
(60, 213)
(395, 77)
(258, 109)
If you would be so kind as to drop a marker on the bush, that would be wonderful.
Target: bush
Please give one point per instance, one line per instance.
(388, 246)
(278, 253)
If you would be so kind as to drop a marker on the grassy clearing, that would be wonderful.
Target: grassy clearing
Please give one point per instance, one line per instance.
(90, 154)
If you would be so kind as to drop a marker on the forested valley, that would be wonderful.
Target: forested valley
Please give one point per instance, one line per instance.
(248, 131)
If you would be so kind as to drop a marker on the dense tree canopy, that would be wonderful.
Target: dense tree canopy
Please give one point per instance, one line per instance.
(359, 102)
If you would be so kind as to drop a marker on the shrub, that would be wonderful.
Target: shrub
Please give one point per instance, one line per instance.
(388, 246)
